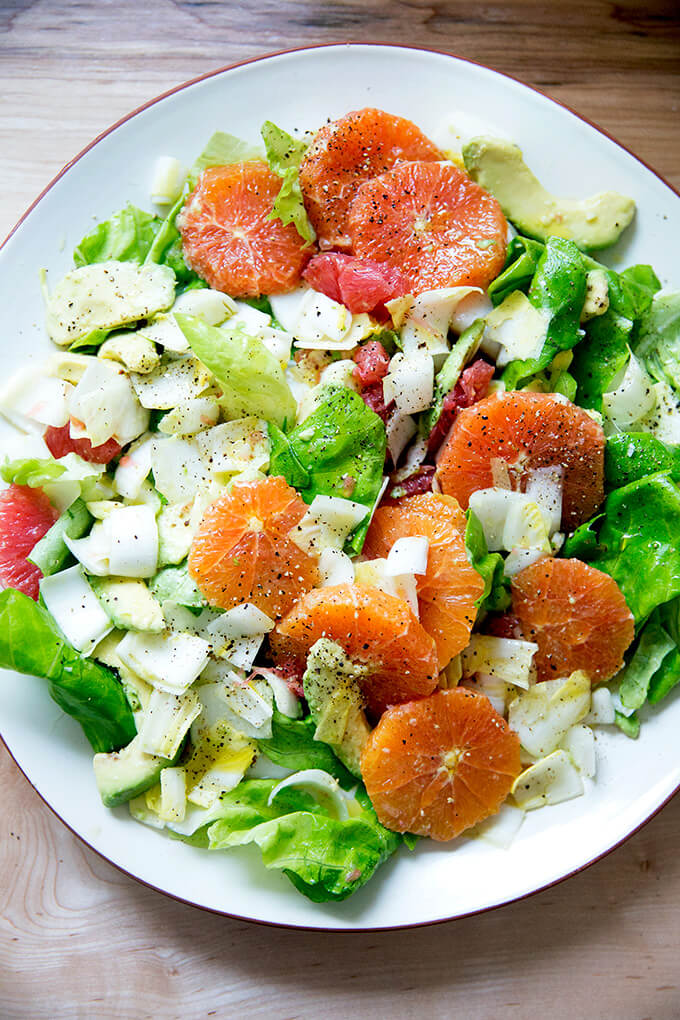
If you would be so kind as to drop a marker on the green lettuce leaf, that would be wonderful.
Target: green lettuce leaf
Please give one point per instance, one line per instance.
(126, 237)
(251, 378)
(630, 456)
(628, 724)
(558, 287)
(174, 584)
(496, 594)
(31, 471)
(292, 746)
(30, 642)
(338, 450)
(284, 155)
(665, 678)
(167, 250)
(636, 540)
(605, 352)
(652, 648)
(520, 265)
(222, 150)
(325, 859)
(658, 345)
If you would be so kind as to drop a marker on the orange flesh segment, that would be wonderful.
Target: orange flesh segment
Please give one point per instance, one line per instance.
(433, 223)
(347, 152)
(447, 592)
(526, 430)
(242, 552)
(229, 239)
(437, 766)
(374, 629)
(577, 616)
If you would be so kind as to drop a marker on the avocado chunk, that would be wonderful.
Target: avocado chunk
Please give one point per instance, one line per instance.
(128, 603)
(51, 552)
(122, 775)
(332, 688)
(593, 222)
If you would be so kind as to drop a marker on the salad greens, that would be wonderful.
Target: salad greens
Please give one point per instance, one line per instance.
(30, 642)
(338, 450)
(203, 392)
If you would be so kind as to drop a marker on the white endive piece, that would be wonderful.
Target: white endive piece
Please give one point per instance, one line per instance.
(212, 306)
(321, 323)
(542, 715)
(30, 398)
(178, 468)
(170, 663)
(408, 555)
(76, 608)
(133, 467)
(335, 567)
(506, 659)
(104, 402)
(550, 781)
(410, 381)
(132, 535)
(173, 382)
(327, 524)
(426, 324)
(235, 446)
(519, 328)
(166, 721)
(633, 398)
(168, 180)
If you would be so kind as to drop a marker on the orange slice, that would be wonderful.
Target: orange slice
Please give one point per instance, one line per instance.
(437, 766)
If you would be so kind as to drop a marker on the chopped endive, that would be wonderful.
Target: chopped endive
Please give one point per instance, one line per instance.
(235, 446)
(136, 353)
(167, 720)
(104, 403)
(173, 800)
(212, 306)
(633, 398)
(408, 555)
(323, 787)
(190, 416)
(175, 533)
(105, 295)
(75, 607)
(327, 524)
(402, 586)
(542, 715)
(321, 322)
(169, 662)
(335, 567)
(178, 468)
(427, 320)
(497, 691)
(133, 467)
(132, 535)
(174, 381)
(500, 829)
(602, 711)
(168, 180)
(219, 759)
(246, 706)
(493, 506)
(550, 781)
(410, 381)
(579, 743)
(31, 398)
(519, 328)
(525, 528)
(507, 659)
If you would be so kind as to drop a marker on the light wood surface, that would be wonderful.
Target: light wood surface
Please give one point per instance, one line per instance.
(77, 938)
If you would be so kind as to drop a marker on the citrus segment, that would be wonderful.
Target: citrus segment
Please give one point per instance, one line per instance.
(447, 592)
(437, 766)
(242, 552)
(526, 430)
(230, 240)
(577, 616)
(362, 285)
(431, 221)
(26, 515)
(347, 152)
(374, 629)
(60, 442)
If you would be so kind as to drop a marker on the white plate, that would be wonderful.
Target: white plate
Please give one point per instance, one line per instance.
(300, 90)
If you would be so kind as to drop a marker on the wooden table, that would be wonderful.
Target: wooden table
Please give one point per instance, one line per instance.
(78, 939)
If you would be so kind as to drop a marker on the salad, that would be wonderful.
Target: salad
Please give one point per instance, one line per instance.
(345, 509)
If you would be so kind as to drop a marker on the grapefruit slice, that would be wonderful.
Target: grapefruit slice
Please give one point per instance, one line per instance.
(526, 430)
(362, 285)
(60, 442)
(447, 592)
(347, 152)
(577, 616)
(26, 515)
(431, 221)
(374, 629)
(229, 239)
(437, 766)
(242, 552)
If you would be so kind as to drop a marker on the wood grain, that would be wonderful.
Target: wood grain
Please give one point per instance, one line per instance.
(77, 938)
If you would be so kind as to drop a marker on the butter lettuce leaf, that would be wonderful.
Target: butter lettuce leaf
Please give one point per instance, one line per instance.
(292, 746)
(496, 594)
(658, 344)
(338, 450)
(652, 648)
(325, 859)
(559, 288)
(126, 236)
(630, 456)
(167, 250)
(223, 149)
(284, 155)
(520, 265)
(31, 471)
(636, 540)
(251, 378)
(30, 642)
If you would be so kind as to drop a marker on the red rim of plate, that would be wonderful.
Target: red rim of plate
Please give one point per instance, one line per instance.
(64, 170)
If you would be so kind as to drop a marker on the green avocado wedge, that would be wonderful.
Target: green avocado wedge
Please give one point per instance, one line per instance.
(593, 222)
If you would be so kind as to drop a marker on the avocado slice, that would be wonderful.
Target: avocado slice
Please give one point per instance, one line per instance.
(122, 775)
(51, 552)
(332, 688)
(128, 603)
(594, 222)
